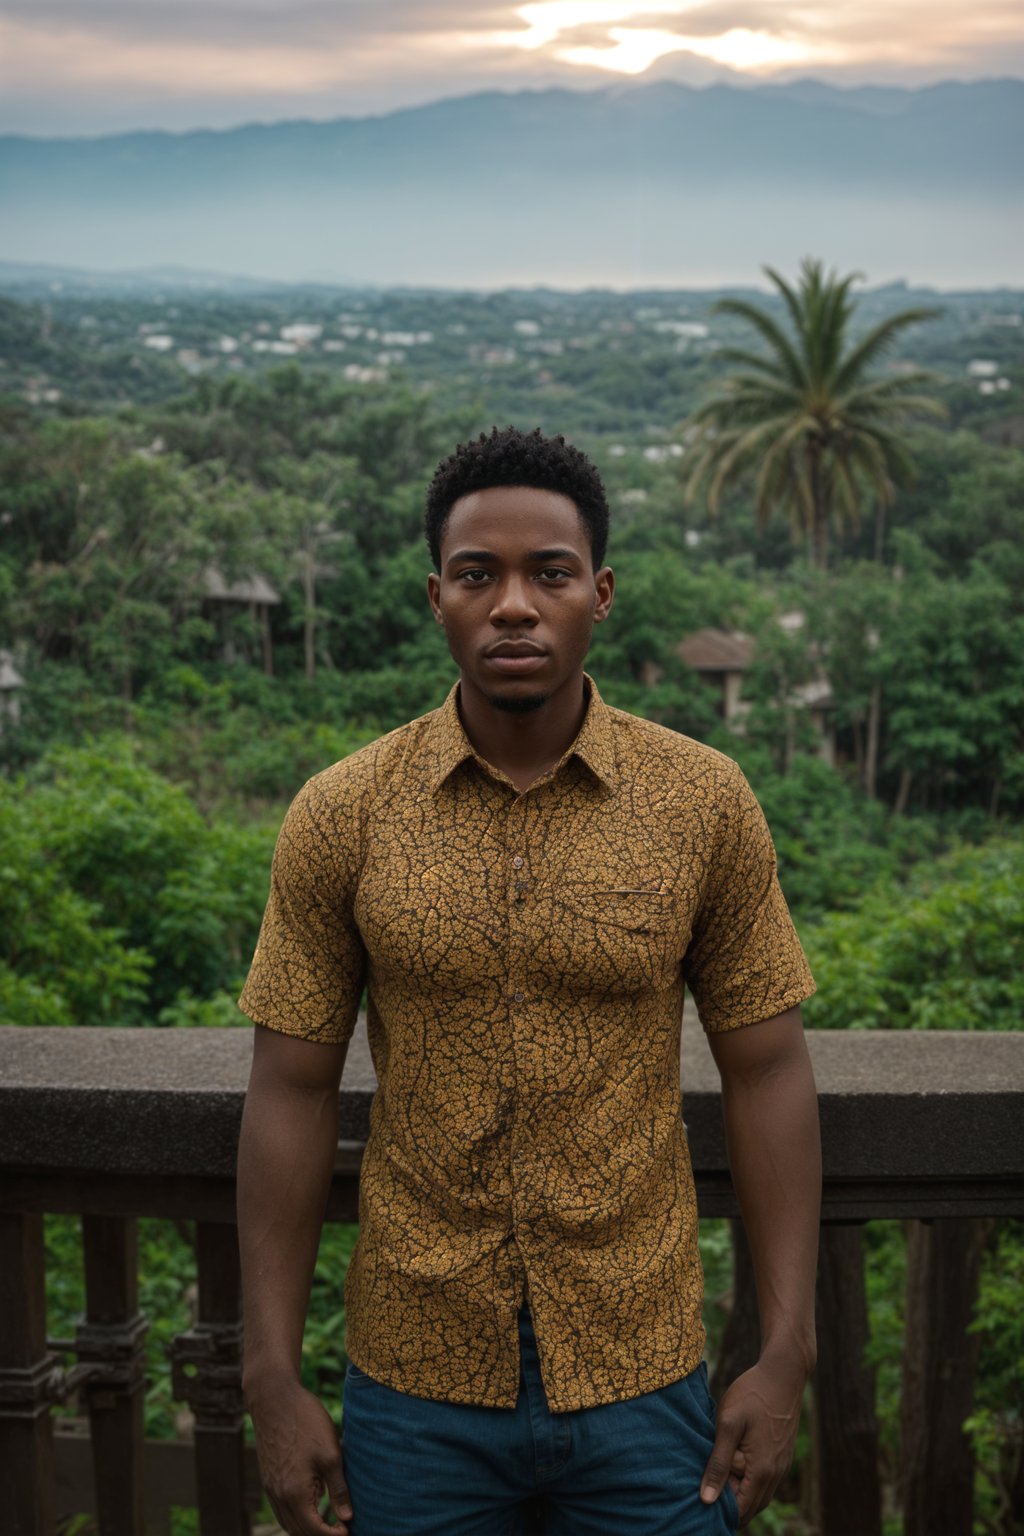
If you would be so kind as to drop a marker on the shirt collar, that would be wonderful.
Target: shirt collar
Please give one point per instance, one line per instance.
(594, 745)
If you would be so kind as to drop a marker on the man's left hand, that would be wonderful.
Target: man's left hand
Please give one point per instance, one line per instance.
(758, 1420)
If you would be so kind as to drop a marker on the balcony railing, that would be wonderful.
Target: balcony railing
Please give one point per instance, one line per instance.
(111, 1125)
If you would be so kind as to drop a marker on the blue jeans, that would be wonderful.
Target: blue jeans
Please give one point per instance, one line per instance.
(416, 1467)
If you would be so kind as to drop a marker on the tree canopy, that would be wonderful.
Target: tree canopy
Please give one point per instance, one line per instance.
(805, 419)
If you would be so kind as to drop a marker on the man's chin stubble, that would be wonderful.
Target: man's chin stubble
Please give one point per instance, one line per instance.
(522, 704)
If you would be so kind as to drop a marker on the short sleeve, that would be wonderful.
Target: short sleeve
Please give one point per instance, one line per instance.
(306, 976)
(744, 962)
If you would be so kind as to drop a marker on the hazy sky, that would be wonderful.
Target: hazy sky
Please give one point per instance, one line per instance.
(95, 66)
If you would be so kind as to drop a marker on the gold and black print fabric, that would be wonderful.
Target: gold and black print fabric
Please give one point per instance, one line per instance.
(525, 958)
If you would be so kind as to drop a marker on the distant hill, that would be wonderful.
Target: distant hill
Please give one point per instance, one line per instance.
(633, 184)
(37, 277)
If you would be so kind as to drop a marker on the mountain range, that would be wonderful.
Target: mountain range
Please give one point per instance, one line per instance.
(628, 185)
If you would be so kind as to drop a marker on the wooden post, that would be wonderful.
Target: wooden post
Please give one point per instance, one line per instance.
(29, 1378)
(849, 1492)
(111, 1341)
(1014, 1521)
(741, 1338)
(208, 1376)
(943, 1265)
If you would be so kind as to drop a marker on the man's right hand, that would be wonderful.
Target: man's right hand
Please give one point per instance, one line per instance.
(300, 1461)
(286, 1158)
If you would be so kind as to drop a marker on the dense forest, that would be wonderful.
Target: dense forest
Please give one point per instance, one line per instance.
(212, 584)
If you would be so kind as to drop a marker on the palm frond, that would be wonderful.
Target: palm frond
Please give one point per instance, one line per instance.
(894, 383)
(750, 394)
(743, 407)
(698, 465)
(789, 295)
(835, 315)
(781, 474)
(728, 456)
(773, 485)
(776, 338)
(805, 419)
(875, 344)
(867, 456)
(896, 460)
(740, 358)
(732, 459)
(891, 397)
(847, 489)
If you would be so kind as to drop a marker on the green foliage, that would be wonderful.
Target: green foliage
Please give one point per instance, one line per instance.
(966, 503)
(111, 544)
(63, 959)
(831, 841)
(112, 528)
(938, 662)
(146, 904)
(246, 739)
(943, 950)
(805, 418)
(659, 599)
(154, 757)
(952, 656)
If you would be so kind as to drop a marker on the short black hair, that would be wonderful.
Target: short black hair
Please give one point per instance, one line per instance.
(511, 457)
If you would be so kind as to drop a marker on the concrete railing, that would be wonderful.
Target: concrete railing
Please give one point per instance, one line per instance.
(112, 1124)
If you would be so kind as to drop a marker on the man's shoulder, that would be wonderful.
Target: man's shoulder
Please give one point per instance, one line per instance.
(392, 761)
(644, 747)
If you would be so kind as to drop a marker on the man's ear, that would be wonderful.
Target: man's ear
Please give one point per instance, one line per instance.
(434, 595)
(604, 586)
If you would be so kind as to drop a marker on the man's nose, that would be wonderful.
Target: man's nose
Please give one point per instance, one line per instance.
(513, 602)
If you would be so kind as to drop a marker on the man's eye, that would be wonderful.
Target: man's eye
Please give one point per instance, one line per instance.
(474, 578)
(553, 573)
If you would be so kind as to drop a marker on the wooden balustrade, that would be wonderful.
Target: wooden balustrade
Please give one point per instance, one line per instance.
(115, 1124)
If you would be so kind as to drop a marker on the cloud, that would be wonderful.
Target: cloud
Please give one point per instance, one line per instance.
(241, 23)
(632, 50)
(270, 54)
(83, 65)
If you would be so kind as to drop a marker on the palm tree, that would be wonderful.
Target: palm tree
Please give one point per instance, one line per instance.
(805, 418)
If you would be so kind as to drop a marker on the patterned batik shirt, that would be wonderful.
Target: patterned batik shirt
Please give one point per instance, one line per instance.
(525, 957)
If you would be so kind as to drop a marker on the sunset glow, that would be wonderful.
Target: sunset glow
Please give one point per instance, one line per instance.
(96, 65)
(637, 48)
(548, 21)
(70, 58)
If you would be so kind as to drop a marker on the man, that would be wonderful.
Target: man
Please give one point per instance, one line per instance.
(525, 880)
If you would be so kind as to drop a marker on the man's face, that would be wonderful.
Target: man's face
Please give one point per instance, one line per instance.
(518, 595)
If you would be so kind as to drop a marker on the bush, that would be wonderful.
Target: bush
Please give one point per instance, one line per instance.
(119, 900)
(942, 951)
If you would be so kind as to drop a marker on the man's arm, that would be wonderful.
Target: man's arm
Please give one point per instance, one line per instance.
(285, 1161)
(771, 1123)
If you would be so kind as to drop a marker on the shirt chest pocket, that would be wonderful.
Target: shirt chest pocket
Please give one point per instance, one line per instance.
(612, 938)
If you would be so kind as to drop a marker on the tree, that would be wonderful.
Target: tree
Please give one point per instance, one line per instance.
(953, 661)
(807, 418)
(122, 904)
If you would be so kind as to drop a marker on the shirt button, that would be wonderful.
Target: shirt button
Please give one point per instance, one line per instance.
(519, 997)
(517, 862)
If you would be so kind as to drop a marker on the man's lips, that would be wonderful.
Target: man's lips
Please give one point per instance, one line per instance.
(515, 648)
(515, 656)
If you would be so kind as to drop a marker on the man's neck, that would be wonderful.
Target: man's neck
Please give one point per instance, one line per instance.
(523, 745)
